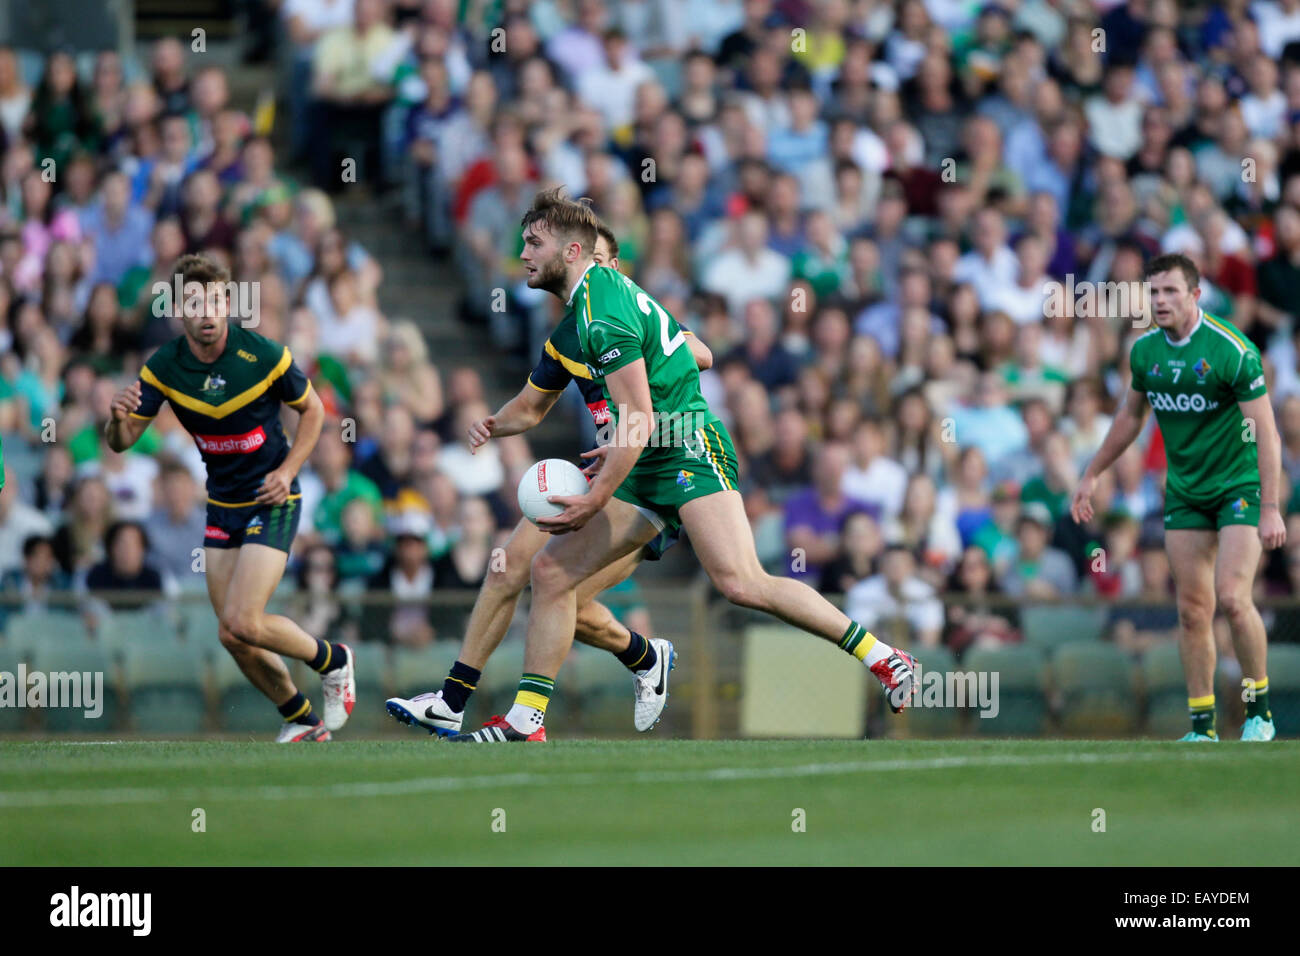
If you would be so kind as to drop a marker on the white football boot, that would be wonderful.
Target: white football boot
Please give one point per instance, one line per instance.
(292, 733)
(429, 711)
(651, 686)
(339, 688)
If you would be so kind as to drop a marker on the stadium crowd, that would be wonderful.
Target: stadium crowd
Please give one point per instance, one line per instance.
(867, 210)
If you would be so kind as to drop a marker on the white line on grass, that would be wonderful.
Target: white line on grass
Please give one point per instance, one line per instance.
(78, 797)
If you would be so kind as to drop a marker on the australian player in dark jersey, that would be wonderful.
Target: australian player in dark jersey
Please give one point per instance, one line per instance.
(226, 385)
(649, 660)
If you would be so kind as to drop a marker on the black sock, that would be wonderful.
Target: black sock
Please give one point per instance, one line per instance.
(461, 681)
(328, 657)
(639, 656)
(297, 710)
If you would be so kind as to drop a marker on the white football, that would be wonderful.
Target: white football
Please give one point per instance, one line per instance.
(553, 476)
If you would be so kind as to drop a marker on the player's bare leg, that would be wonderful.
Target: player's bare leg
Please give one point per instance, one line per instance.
(596, 624)
(257, 574)
(618, 530)
(264, 669)
(1191, 561)
(258, 570)
(494, 608)
(442, 712)
(724, 543)
(1234, 579)
(649, 659)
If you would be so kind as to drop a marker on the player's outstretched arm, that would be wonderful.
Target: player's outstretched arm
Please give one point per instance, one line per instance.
(1272, 527)
(524, 411)
(122, 430)
(1124, 430)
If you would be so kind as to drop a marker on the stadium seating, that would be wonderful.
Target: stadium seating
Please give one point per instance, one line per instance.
(1284, 688)
(240, 705)
(598, 688)
(66, 651)
(923, 721)
(1165, 690)
(374, 684)
(1048, 626)
(1022, 702)
(29, 632)
(1094, 683)
(166, 685)
(12, 718)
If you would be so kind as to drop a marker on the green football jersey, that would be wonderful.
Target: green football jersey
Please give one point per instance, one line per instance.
(1194, 386)
(619, 323)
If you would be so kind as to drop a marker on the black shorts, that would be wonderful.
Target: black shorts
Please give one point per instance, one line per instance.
(234, 526)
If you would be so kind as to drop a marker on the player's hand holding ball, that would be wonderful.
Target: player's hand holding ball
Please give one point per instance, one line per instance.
(553, 495)
(126, 401)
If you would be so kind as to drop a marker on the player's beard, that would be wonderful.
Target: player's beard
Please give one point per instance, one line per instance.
(550, 276)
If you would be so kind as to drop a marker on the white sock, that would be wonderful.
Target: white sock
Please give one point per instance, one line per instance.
(526, 720)
(879, 651)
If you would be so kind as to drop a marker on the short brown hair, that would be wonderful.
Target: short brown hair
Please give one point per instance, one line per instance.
(194, 268)
(606, 233)
(1174, 260)
(566, 218)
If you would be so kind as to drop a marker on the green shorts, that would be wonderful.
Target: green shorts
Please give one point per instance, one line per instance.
(665, 478)
(1236, 505)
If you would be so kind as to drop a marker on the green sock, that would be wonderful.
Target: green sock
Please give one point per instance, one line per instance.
(1257, 702)
(1201, 710)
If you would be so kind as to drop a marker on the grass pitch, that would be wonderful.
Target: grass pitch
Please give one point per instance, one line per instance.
(651, 802)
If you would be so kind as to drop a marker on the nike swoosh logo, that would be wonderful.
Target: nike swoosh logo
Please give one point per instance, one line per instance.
(663, 674)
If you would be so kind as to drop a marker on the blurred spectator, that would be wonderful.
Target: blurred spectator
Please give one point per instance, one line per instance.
(407, 578)
(37, 580)
(896, 604)
(975, 621)
(814, 516)
(125, 567)
(1037, 571)
(177, 524)
(319, 611)
(18, 521)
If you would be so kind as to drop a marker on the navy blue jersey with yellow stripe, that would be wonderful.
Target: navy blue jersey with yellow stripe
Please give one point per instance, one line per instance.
(231, 407)
(562, 362)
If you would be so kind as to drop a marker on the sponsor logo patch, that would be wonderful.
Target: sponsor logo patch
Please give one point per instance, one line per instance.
(610, 356)
(600, 412)
(215, 533)
(231, 444)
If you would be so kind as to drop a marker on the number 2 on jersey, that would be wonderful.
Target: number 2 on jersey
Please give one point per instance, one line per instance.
(645, 303)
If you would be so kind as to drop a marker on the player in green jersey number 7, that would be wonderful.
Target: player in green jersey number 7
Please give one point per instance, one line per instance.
(653, 478)
(1205, 381)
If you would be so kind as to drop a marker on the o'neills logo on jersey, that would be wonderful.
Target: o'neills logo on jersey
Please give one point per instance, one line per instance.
(215, 533)
(231, 444)
(599, 411)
